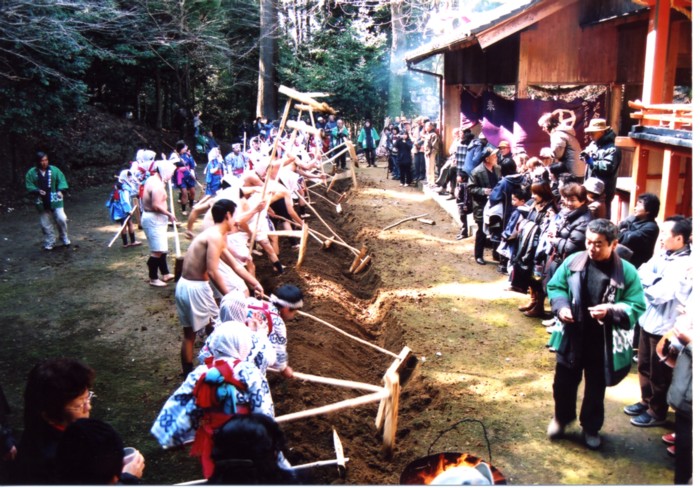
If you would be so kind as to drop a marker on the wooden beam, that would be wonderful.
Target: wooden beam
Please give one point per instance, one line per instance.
(520, 21)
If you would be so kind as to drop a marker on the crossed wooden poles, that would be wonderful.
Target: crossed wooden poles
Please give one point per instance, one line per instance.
(308, 103)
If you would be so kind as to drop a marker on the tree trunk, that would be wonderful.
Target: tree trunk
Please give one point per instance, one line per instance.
(267, 94)
(398, 49)
(159, 101)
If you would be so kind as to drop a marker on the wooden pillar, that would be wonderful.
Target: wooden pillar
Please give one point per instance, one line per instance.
(656, 52)
(615, 107)
(687, 200)
(640, 169)
(669, 184)
(671, 61)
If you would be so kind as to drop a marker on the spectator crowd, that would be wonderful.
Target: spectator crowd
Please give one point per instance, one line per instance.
(612, 289)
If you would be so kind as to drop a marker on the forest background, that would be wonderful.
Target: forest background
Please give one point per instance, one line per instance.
(91, 81)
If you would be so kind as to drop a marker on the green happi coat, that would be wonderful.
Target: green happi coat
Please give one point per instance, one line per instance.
(58, 183)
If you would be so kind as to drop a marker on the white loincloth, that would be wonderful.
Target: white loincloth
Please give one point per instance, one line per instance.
(155, 226)
(195, 304)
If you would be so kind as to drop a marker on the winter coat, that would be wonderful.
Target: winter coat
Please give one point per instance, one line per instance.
(605, 162)
(503, 191)
(403, 148)
(640, 236)
(667, 281)
(566, 289)
(475, 152)
(571, 237)
(567, 149)
(432, 144)
(478, 182)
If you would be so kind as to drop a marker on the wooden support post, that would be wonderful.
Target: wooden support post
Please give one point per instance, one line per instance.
(358, 258)
(363, 264)
(397, 365)
(302, 244)
(353, 156)
(391, 415)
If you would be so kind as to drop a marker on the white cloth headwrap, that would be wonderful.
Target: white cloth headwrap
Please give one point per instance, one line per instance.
(231, 340)
(284, 303)
(145, 155)
(124, 176)
(214, 154)
(165, 168)
(233, 307)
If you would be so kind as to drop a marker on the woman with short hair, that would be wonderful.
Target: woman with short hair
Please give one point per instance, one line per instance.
(57, 394)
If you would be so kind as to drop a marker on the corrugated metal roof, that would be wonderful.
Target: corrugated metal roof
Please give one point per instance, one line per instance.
(479, 23)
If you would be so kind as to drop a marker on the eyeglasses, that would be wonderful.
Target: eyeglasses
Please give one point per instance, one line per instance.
(85, 403)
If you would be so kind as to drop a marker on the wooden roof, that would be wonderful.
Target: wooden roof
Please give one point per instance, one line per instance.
(467, 36)
(515, 16)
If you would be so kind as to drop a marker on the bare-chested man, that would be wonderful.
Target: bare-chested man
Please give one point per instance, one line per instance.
(194, 298)
(155, 222)
(235, 277)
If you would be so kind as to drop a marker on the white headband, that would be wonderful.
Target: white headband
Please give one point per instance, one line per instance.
(285, 303)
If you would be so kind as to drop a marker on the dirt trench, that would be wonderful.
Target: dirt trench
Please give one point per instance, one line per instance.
(478, 358)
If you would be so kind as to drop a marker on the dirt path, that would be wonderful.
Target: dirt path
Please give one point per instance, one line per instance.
(479, 358)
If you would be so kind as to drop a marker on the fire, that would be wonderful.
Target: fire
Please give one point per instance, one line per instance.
(429, 473)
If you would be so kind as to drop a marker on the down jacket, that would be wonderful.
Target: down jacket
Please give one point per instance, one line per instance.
(640, 236)
(571, 237)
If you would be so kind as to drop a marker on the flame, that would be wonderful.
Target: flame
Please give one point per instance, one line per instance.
(427, 475)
